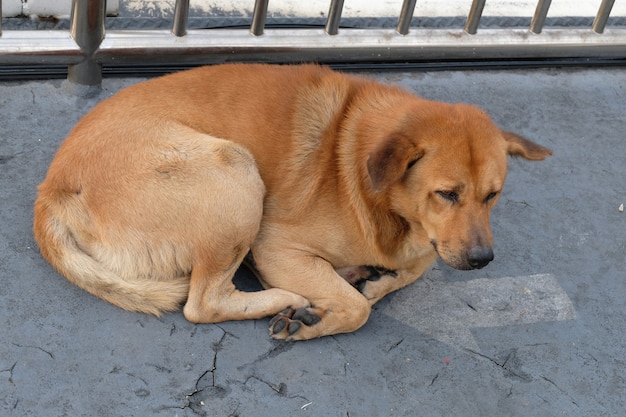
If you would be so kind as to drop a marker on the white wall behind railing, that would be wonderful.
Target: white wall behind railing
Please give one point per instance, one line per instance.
(57, 8)
(316, 8)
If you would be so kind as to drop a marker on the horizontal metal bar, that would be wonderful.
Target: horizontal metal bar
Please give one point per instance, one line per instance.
(136, 47)
(45, 47)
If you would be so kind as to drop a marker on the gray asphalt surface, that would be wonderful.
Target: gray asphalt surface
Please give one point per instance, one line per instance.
(539, 332)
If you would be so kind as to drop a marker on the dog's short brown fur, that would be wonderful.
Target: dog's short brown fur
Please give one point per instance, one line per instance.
(158, 194)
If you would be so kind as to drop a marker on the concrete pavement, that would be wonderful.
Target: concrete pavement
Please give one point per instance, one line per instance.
(539, 332)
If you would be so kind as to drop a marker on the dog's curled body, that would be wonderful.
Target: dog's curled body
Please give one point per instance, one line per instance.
(145, 265)
(158, 194)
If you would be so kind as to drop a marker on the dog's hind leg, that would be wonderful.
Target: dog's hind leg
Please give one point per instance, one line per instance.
(230, 224)
(213, 296)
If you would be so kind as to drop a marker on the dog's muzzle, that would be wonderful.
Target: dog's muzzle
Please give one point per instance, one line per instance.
(476, 258)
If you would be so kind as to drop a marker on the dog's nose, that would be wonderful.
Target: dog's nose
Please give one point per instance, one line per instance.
(479, 256)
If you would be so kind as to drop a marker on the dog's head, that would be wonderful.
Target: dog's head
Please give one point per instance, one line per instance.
(441, 169)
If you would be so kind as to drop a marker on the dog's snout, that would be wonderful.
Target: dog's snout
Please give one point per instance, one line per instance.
(479, 256)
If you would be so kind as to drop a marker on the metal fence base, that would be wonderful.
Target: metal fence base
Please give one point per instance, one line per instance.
(81, 90)
(88, 73)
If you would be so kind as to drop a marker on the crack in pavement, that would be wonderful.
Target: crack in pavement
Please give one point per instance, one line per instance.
(279, 347)
(432, 382)
(159, 368)
(35, 347)
(395, 345)
(10, 371)
(280, 389)
(193, 399)
(137, 377)
(343, 353)
(206, 386)
(117, 369)
(560, 389)
(523, 376)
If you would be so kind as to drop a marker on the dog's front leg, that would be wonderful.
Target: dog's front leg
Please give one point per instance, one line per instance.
(336, 306)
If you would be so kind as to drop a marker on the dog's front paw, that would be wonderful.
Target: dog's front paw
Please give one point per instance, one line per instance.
(289, 322)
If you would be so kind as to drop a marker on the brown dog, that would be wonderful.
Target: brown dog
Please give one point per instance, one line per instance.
(159, 193)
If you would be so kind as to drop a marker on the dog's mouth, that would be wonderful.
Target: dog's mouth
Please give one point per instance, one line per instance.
(476, 257)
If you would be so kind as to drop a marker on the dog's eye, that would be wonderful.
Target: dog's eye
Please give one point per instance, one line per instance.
(451, 196)
(491, 196)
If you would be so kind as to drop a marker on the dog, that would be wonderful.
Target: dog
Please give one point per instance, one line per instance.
(337, 190)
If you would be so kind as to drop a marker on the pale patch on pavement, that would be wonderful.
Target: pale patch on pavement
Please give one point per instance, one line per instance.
(447, 311)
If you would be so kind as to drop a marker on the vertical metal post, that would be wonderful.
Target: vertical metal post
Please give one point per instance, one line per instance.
(334, 17)
(603, 16)
(0, 17)
(540, 16)
(473, 18)
(87, 30)
(258, 17)
(181, 15)
(404, 22)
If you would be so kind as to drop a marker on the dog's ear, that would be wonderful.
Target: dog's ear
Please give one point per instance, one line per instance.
(390, 160)
(520, 146)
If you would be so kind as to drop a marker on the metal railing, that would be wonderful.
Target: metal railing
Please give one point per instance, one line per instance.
(87, 47)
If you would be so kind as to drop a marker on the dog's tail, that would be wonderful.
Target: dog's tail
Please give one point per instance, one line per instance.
(60, 248)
